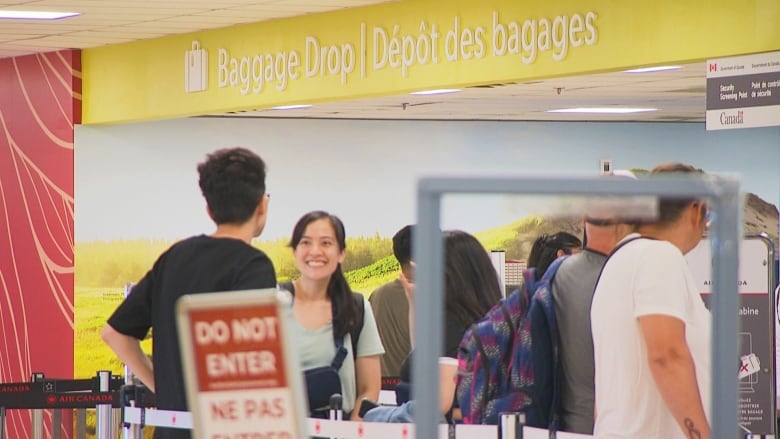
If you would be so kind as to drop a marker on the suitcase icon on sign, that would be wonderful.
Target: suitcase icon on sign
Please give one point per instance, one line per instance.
(196, 69)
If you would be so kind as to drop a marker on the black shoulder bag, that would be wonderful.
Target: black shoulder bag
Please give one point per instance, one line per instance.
(322, 382)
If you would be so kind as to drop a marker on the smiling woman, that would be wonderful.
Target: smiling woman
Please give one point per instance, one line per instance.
(330, 334)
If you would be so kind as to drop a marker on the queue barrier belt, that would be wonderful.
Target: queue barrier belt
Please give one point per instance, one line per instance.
(344, 429)
(60, 394)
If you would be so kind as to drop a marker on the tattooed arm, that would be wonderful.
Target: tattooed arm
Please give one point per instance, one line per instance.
(674, 372)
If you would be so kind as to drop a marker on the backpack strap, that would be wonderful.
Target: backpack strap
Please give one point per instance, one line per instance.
(553, 268)
(623, 244)
(360, 317)
(529, 274)
(529, 285)
(615, 250)
(354, 334)
(555, 404)
(341, 353)
(287, 286)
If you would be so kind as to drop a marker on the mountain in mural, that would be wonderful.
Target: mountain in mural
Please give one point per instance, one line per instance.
(516, 238)
(760, 216)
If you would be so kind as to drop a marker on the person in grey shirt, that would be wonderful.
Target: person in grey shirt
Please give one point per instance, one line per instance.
(572, 291)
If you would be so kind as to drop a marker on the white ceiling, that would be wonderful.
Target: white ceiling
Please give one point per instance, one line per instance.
(679, 94)
(105, 22)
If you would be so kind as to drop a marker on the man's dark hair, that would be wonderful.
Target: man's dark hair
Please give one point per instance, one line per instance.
(402, 245)
(232, 180)
(670, 209)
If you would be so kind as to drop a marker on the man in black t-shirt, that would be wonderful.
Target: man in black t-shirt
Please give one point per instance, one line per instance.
(233, 184)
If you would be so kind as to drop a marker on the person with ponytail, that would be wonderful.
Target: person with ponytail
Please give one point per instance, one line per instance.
(547, 248)
(324, 309)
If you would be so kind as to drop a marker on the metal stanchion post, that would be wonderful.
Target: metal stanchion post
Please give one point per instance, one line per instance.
(140, 401)
(510, 425)
(128, 430)
(81, 423)
(103, 427)
(132, 431)
(37, 414)
(335, 413)
(56, 423)
(2, 422)
(131, 396)
(116, 422)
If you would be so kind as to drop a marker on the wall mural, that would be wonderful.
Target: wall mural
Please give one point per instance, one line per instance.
(40, 101)
(137, 188)
(137, 194)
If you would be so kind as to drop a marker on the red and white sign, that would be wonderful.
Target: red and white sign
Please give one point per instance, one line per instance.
(239, 376)
(743, 91)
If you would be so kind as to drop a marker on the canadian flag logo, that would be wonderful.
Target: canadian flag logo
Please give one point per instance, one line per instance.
(713, 67)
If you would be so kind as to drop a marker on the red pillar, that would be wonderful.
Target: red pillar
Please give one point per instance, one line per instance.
(40, 102)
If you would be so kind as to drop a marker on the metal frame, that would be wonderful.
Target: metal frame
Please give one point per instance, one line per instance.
(724, 197)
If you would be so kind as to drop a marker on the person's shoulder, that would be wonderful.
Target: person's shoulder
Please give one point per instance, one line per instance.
(185, 245)
(584, 259)
(190, 241)
(567, 273)
(571, 261)
(236, 245)
(218, 248)
(387, 289)
(198, 242)
(658, 247)
(591, 257)
(252, 250)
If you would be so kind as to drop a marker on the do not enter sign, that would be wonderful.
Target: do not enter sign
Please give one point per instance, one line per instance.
(239, 367)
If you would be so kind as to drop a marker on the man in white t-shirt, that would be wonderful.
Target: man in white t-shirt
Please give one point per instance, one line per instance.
(651, 330)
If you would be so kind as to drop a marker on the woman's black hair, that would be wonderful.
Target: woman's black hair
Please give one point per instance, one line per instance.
(545, 250)
(345, 312)
(471, 284)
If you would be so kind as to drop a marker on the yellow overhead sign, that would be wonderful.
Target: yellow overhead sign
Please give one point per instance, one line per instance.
(409, 46)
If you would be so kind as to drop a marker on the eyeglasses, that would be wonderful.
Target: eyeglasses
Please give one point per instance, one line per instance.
(709, 217)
